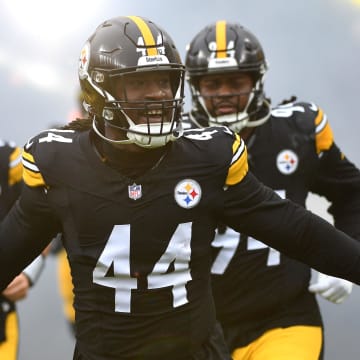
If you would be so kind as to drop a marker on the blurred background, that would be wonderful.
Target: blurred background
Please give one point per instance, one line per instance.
(312, 46)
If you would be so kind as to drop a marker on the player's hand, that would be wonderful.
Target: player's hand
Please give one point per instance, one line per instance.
(331, 288)
(18, 288)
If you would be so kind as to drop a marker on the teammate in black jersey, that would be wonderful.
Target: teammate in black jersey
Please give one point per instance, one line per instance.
(10, 188)
(138, 201)
(263, 298)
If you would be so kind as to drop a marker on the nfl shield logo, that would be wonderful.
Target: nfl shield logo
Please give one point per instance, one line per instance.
(135, 191)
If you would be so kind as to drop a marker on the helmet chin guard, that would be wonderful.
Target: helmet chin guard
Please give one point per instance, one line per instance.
(141, 138)
(238, 121)
(139, 135)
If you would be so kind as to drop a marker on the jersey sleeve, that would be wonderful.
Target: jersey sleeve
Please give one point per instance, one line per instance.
(324, 137)
(233, 154)
(29, 226)
(254, 209)
(239, 164)
(31, 174)
(25, 231)
(11, 177)
(15, 166)
(338, 180)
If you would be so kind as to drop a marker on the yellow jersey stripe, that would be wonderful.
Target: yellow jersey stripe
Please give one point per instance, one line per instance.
(324, 136)
(239, 165)
(146, 34)
(221, 39)
(15, 167)
(31, 173)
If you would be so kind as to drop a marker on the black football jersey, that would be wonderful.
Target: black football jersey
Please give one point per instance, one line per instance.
(255, 287)
(10, 187)
(140, 249)
(10, 175)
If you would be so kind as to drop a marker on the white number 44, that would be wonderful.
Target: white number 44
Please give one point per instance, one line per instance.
(116, 254)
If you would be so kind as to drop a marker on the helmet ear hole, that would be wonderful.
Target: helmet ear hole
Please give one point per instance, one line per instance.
(248, 45)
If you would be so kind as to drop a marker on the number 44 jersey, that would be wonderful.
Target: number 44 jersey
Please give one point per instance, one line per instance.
(140, 249)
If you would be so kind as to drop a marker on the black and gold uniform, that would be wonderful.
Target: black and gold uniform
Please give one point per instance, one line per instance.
(139, 248)
(263, 298)
(256, 288)
(10, 187)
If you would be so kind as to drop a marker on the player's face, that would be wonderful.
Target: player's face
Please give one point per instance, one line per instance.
(226, 93)
(142, 95)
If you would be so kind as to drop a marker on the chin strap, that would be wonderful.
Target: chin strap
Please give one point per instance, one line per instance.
(235, 121)
(258, 122)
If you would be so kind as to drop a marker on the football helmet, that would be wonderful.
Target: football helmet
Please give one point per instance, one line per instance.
(227, 47)
(118, 48)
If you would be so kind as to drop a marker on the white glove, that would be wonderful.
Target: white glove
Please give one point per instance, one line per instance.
(331, 288)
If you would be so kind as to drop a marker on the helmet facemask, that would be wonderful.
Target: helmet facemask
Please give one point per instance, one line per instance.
(160, 117)
(246, 111)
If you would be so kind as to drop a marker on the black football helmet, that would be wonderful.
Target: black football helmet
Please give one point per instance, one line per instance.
(227, 47)
(123, 46)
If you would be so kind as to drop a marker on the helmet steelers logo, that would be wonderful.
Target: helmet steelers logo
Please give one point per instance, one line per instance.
(84, 61)
(187, 193)
(287, 162)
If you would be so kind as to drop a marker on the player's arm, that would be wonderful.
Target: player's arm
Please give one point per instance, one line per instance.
(11, 191)
(338, 180)
(25, 232)
(18, 288)
(256, 210)
(20, 285)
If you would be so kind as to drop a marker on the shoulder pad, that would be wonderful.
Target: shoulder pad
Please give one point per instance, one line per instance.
(207, 133)
(299, 114)
(223, 141)
(15, 166)
(324, 137)
(40, 151)
(309, 119)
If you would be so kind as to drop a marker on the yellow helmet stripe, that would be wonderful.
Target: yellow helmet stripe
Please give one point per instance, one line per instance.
(221, 39)
(146, 34)
(31, 174)
(323, 133)
(239, 165)
(15, 167)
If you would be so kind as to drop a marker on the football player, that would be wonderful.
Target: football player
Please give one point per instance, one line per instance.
(263, 298)
(10, 188)
(137, 202)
